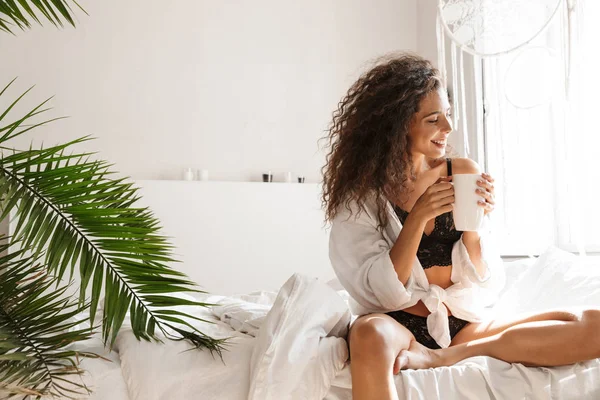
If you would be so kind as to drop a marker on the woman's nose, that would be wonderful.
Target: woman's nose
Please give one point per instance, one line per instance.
(447, 127)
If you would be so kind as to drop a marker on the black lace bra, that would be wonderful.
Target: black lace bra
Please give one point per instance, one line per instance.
(436, 248)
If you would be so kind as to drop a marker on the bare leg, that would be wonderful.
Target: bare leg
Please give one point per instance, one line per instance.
(548, 339)
(375, 342)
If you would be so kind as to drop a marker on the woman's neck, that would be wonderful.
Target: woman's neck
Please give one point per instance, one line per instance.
(423, 166)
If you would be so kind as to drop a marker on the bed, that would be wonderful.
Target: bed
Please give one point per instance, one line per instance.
(261, 252)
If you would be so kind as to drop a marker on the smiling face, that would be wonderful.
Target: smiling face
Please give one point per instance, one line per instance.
(431, 126)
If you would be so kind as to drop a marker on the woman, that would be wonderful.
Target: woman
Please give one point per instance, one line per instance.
(420, 285)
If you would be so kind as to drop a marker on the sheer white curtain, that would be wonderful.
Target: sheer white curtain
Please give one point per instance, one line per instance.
(542, 136)
(582, 133)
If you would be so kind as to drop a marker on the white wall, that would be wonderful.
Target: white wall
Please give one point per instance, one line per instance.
(236, 87)
(426, 33)
(253, 236)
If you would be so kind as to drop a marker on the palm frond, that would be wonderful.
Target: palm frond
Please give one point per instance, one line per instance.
(72, 208)
(36, 327)
(19, 13)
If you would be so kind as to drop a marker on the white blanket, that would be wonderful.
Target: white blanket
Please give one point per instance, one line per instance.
(243, 313)
(299, 351)
(102, 375)
(555, 280)
(300, 347)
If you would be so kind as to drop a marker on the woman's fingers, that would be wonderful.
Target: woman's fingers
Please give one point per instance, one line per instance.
(486, 182)
(437, 187)
(447, 208)
(487, 207)
(442, 196)
(486, 190)
(487, 195)
(488, 177)
(443, 179)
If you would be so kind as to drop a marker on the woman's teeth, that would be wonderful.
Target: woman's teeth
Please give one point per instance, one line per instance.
(440, 142)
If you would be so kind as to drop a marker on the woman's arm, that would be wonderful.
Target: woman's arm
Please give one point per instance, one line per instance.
(360, 257)
(405, 249)
(478, 263)
(475, 258)
(472, 242)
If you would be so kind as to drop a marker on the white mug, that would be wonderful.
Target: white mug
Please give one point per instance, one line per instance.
(468, 215)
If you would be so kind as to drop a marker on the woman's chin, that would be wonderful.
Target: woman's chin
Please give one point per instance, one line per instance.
(437, 152)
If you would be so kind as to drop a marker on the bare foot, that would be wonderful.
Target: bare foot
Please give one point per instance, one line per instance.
(398, 364)
(418, 357)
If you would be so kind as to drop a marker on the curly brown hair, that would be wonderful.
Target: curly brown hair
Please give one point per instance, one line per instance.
(368, 137)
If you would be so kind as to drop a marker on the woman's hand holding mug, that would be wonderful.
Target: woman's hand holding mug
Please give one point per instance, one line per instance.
(486, 189)
(437, 199)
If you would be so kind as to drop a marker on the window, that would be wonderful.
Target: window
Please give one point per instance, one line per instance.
(542, 142)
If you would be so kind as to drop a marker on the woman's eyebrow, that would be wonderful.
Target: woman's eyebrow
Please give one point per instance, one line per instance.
(435, 112)
(432, 113)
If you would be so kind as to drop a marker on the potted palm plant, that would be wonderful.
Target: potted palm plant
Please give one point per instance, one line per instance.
(71, 216)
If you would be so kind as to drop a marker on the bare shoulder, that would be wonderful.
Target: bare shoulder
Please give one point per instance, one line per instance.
(465, 166)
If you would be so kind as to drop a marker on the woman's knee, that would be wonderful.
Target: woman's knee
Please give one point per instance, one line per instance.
(377, 335)
(590, 320)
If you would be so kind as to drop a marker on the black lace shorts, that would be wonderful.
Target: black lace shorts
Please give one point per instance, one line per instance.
(418, 326)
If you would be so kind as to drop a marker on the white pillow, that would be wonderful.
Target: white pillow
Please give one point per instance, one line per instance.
(300, 346)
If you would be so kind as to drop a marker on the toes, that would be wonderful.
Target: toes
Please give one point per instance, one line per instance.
(397, 366)
(401, 361)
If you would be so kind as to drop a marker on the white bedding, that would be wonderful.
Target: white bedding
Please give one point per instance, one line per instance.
(297, 353)
(103, 376)
(167, 371)
(556, 279)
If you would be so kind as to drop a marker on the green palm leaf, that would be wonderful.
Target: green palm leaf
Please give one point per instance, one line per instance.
(73, 210)
(17, 12)
(36, 327)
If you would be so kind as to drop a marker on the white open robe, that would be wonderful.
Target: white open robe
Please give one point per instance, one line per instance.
(359, 254)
